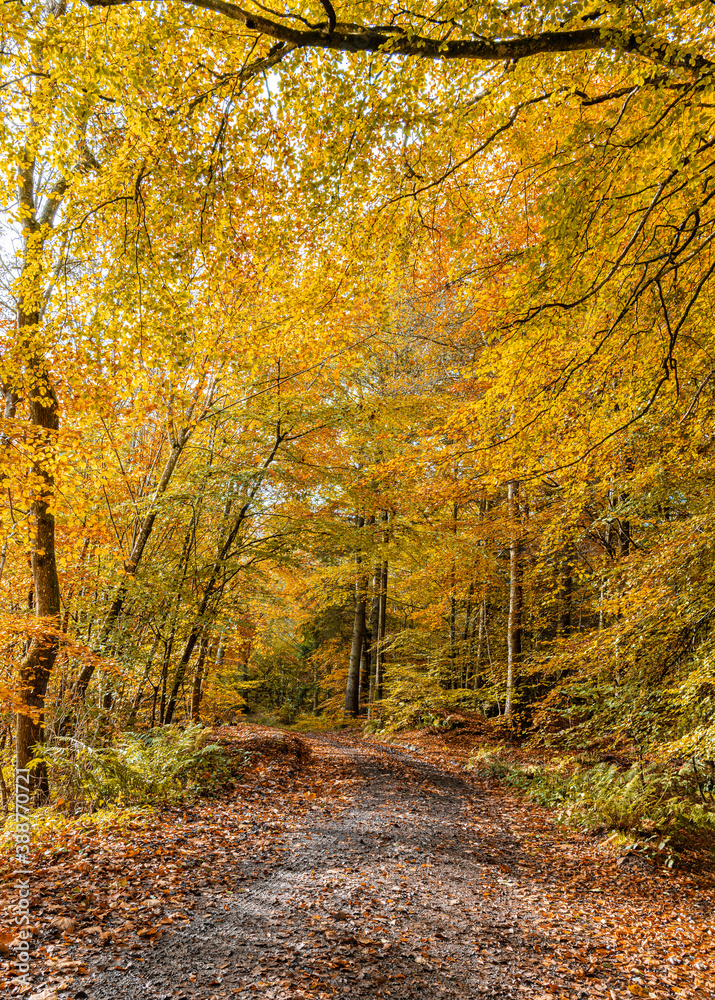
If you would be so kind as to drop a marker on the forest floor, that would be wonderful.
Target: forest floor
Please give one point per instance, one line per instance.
(347, 867)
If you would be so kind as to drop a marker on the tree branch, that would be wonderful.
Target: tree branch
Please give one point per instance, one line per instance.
(344, 37)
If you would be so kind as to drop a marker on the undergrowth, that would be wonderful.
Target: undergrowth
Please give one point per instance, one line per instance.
(165, 765)
(661, 806)
(292, 720)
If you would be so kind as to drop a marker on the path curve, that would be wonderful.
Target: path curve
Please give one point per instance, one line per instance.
(403, 876)
(381, 896)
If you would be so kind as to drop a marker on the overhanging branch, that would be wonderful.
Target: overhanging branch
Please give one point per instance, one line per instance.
(343, 37)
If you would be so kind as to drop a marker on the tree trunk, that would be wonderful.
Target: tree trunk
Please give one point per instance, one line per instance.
(132, 563)
(246, 661)
(220, 653)
(165, 675)
(214, 586)
(4, 794)
(37, 665)
(514, 628)
(380, 655)
(374, 632)
(352, 703)
(316, 689)
(197, 694)
(140, 690)
(189, 646)
(479, 626)
(480, 642)
(451, 680)
(365, 658)
(565, 595)
(466, 643)
(198, 677)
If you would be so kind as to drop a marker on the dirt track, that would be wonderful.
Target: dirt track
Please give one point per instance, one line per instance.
(417, 882)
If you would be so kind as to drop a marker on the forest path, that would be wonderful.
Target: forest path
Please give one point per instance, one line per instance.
(406, 879)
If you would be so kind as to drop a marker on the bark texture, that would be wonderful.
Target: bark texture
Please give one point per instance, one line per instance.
(514, 629)
(350, 37)
(37, 665)
(352, 690)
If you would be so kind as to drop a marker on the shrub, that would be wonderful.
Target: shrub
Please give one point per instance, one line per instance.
(164, 765)
(287, 714)
(490, 762)
(660, 805)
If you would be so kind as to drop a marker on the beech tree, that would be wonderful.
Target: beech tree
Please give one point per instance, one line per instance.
(71, 163)
(452, 248)
(659, 32)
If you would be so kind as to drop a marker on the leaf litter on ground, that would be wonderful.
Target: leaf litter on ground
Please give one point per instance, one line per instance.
(422, 876)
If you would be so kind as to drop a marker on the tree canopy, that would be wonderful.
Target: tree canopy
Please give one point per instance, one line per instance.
(357, 360)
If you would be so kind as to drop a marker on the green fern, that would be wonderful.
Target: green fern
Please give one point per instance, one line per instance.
(136, 769)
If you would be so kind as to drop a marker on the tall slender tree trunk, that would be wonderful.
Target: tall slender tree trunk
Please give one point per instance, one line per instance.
(140, 690)
(479, 626)
(189, 646)
(155, 688)
(565, 596)
(4, 794)
(352, 689)
(246, 660)
(220, 652)
(451, 680)
(374, 631)
(365, 658)
(316, 689)
(215, 584)
(37, 665)
(382, 623)
(466, 643)
(199, 685)
(195, 709)
(133, 561)
(482, 616)
(514, 628)
(168, 646)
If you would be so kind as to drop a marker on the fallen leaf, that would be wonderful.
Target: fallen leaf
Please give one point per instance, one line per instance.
(63, 923)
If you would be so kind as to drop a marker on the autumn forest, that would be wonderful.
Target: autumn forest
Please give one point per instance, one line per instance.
(358, 366)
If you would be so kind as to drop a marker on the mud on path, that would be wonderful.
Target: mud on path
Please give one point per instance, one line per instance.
(405, 877)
